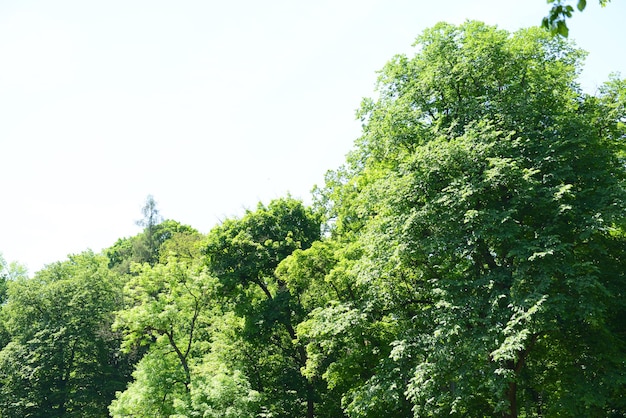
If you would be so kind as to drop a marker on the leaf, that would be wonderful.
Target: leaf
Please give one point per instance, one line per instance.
(562, 29)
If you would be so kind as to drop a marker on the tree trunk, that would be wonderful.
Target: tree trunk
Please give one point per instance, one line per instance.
(310, 407)
(511, 395)
(516, 367)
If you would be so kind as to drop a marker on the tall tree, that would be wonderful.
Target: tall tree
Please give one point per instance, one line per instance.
(244, 254)
(487, 196)
(168, 308)
(167, 238)
(148, 246)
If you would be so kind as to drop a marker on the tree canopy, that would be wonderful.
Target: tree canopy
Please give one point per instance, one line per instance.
(487, 196)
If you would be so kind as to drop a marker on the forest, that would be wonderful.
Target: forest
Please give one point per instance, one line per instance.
(468, 259)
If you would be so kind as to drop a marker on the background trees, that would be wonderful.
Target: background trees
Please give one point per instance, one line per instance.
(8, 272)
(153, 246)
(471, 264)
(168, 311)
(219, 325)
(62, 359)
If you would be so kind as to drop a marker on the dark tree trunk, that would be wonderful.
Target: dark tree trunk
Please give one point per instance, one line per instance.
(511, 395)
(310, 407)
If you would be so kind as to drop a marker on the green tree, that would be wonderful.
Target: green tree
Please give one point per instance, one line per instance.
(8, 272)
(3, 280)
(167, 237)
(190, 367)
(244, 254)
(168, 308)
(62, 359)
(221, 389)
(486, 196)
(147, 248)
(144, 247)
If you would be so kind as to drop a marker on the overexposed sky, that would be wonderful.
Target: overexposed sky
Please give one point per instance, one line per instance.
(209, 106)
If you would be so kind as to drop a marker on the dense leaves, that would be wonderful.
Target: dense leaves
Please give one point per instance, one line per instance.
(153, 246)
(62, 360)
(560, 11)
(489, 191)
(244, 254)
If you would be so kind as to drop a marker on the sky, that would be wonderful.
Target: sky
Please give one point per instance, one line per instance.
(209, 106)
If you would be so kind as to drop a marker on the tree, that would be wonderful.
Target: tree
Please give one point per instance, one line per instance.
(148, 246)
(487, 198)
(244, 254)
(168, 308)
(166, 238)
(3, 280)
(556, 21)
(62, 359)
(8, 272)
(172, 315)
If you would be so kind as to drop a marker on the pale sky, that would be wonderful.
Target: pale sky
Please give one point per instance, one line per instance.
(209, 106)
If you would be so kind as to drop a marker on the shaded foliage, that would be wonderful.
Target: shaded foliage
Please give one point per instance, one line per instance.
(244, 254)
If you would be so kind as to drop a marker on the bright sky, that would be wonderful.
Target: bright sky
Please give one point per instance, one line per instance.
(210, 106)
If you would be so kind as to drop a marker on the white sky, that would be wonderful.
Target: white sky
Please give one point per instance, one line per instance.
(209, 106)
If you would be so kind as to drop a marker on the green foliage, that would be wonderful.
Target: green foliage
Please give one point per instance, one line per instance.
(556, 21)
(244, 254)
(317, 275)
(8, 272)
(62, 360)
(3, 280)
(221, 392)
(168, 311)
(155, 245)
(486, 194)
(349, 348)
(159, 239)
(472, 264)
(155, 391)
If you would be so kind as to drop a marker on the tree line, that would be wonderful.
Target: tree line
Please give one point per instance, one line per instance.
(467, 259)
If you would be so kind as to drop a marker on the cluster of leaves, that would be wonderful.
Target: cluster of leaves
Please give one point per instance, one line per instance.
(556, 20)
(472, 263)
